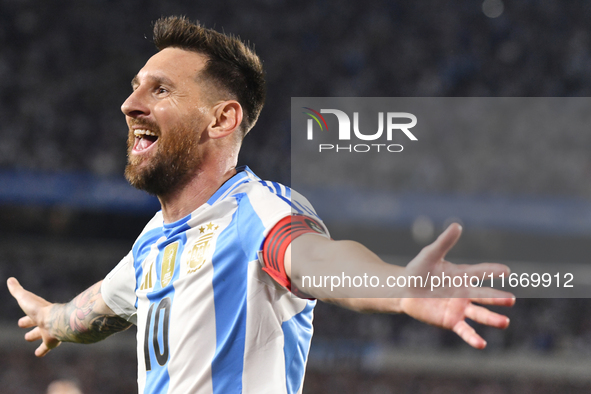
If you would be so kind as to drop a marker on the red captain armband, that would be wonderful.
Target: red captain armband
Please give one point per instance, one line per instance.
(279, 238)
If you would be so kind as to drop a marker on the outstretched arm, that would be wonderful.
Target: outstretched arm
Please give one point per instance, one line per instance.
(85, 319)
(446, 307)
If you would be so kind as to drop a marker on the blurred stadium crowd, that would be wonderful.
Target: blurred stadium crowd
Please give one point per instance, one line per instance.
(66, 66)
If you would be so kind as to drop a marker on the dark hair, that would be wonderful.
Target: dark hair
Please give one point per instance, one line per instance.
(231, 65)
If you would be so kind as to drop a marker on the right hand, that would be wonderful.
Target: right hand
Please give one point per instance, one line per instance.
(36, 310)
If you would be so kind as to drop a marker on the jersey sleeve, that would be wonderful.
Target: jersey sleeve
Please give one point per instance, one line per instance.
(118, 289)
(279, 238)
(265, 215)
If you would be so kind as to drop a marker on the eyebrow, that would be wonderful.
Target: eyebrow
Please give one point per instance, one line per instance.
(156, 79)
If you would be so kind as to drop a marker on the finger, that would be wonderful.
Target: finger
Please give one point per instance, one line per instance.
(20, 294)
(439, 248)
(483, 316)
(26, 322)
(483, 270)
(14, 287)
(30, 303)
(469, 335)
(33, 335)
(504, 301)
(484, 295)
(42, 350)
(481, 295)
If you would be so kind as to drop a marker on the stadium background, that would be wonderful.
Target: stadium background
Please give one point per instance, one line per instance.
(66, 216)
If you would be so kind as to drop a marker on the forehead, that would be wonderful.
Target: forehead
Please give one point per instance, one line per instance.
(175, 64)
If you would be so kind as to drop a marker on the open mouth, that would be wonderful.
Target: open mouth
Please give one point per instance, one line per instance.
(144, 139)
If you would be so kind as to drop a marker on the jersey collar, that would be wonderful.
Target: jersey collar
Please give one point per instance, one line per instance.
(243, 174)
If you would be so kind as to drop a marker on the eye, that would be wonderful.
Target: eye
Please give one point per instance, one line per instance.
(161, 90)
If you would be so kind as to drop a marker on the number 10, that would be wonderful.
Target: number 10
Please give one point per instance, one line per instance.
(161, 354)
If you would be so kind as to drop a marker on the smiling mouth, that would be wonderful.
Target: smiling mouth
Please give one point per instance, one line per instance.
(144, 139)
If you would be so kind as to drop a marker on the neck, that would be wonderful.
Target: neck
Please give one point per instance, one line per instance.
(204, 183)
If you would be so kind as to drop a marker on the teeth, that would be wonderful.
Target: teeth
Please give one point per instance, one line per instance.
(141, 132)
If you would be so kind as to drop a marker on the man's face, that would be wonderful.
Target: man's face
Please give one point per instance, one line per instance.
(166, 114)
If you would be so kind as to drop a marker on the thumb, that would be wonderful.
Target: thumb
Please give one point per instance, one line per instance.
(446, 240)
(29, 302)
(14, 287)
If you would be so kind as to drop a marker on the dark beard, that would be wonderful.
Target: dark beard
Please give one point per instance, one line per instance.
(171, 167)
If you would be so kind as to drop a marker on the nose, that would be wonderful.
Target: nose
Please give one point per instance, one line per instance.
(135, 105)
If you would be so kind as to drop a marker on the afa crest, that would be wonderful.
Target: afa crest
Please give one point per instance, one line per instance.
(200, 251)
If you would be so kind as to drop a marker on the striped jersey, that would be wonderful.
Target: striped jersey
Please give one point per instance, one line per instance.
(209, 319)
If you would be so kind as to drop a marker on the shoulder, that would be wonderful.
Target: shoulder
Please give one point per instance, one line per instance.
(271, 201)
(262, 202)
(151, 232)
(253, 190)
(270, 192)
(156, 223)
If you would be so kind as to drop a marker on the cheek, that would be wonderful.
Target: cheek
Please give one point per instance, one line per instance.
(164, 113)
(171, 115)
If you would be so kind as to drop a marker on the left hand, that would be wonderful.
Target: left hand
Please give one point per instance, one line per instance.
(449, 307)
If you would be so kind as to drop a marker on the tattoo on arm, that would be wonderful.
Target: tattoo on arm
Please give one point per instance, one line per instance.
(81, 321)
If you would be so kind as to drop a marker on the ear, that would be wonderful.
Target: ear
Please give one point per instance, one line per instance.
(228, 117)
